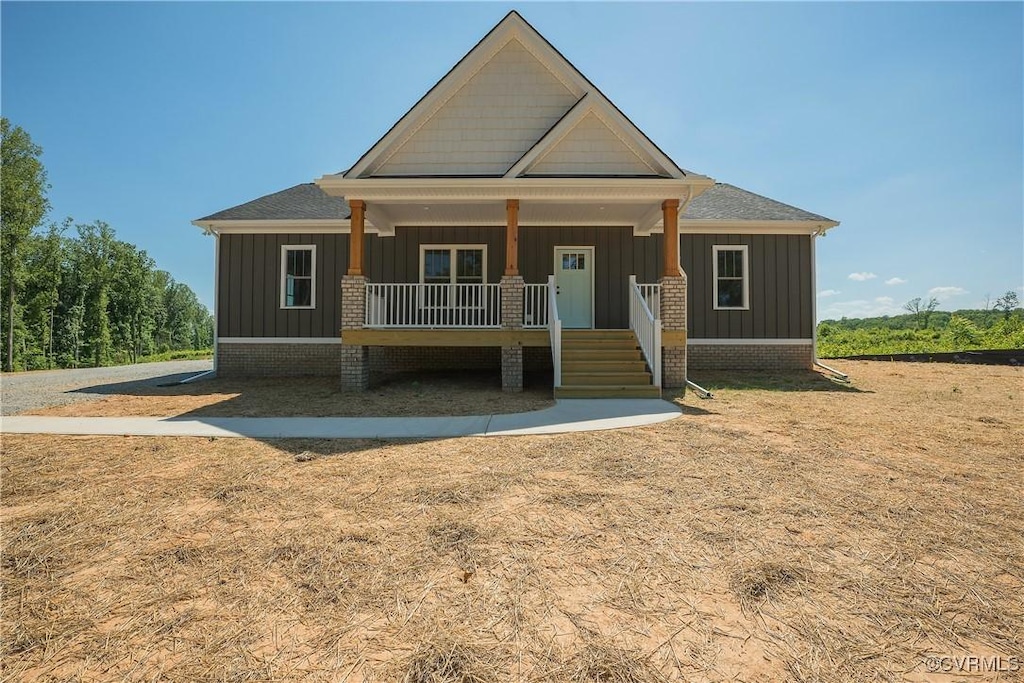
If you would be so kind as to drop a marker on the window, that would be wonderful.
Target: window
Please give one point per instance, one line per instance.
(574, 261)
(453, 264)
(436, 264)
(298, 276)
(731, 281)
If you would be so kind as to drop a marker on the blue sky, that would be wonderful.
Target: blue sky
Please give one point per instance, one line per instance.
(901, 120)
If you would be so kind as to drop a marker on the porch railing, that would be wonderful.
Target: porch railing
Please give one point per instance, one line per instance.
(647, 328)
(555, 330)
(535, 306)
(652, 295)
(433, 305)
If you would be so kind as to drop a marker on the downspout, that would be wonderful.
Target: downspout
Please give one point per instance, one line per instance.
(814, 309)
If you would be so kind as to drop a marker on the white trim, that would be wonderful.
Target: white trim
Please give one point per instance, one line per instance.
(320, 226)
(746, 276)
(814, 297)
(550, 139)
(453, 248)
(417, 190)
(280, 340)
(593, 269)
(750, 342)
(706, 226)
(285, 248)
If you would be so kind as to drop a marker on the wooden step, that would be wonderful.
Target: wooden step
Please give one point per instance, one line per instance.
(599, 343)
(576, 366)
(591, 355)
(597, 334)
(606, 378)
(591, 391)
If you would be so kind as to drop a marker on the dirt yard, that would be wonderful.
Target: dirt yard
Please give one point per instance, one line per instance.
(791, 529)
(407, 395)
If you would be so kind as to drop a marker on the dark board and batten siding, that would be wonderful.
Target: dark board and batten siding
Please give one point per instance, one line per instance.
(617, 255)
(249, 287)
(781, 288)
(397, 259)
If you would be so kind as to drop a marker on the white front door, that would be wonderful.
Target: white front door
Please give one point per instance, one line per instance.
(574, 283)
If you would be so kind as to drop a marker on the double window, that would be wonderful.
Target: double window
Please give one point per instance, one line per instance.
(731, 277)
(453, 264)
(298, 276)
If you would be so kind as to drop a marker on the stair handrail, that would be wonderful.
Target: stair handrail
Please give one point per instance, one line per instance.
(555, 330)
(647, 329)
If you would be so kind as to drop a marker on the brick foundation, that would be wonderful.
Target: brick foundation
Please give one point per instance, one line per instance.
(753, 356)
(512, 368)
(277, 360)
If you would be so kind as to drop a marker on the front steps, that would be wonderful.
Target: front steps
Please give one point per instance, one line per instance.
(603, 364)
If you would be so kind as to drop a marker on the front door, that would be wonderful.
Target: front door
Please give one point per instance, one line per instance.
(574, 283)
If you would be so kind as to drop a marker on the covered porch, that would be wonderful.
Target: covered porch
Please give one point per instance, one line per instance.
(516, 271)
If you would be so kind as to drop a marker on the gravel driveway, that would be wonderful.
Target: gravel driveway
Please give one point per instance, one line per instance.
(30, 390)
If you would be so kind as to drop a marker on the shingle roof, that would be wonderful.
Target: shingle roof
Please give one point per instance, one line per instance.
(728, 202)
(307, 201)
(301, 202)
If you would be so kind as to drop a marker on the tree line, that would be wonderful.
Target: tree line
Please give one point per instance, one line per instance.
(74, 295)
(924, 329)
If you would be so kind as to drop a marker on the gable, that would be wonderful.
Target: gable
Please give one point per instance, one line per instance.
(591, 148)
(487, 124)
(502, 109)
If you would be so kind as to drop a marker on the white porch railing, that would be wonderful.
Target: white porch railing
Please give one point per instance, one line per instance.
(535, 306)
(652, 295)
(646, 326)
(433, 305)
(555, 330)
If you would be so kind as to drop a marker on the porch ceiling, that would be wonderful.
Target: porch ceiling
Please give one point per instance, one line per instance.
(531, 213)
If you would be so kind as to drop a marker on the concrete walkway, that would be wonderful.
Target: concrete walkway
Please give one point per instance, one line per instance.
(567, 415)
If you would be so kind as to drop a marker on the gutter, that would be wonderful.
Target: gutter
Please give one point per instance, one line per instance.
(814, 307)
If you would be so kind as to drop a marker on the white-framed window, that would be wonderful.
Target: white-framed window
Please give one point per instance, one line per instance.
(731, 277)
(456, 264)
(298, 276)
(452, 264)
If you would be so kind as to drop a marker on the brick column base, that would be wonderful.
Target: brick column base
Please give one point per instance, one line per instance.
(512, 368)
(673, 317)
(355, 368)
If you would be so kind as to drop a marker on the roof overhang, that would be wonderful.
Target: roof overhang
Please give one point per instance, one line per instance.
(753, 227)
(630, 202)
(278, 226)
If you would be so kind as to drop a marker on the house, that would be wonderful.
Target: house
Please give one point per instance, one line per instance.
(515, 218)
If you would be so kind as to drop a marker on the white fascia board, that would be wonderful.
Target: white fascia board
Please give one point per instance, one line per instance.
(749, 342)
(512, 27)
(279, 226)
(751, 227)
(499, 189)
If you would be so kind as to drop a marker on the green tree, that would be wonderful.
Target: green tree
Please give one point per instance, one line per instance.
(921, 310)
(1007, 303)
(963, 333)
(23, 205)
(95, 250)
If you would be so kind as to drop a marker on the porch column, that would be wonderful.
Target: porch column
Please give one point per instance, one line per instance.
(673, 303)
(512, 237)
(670, 221)
(355, 359)
(512, 289)
(355, 238)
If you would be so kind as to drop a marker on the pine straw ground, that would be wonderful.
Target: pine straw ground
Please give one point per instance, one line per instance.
(790, 529)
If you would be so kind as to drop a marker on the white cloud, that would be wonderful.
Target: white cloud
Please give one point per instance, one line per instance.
(861, 277)
(946, 292)
(895, 281)
(828, 292)
(860, 308)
